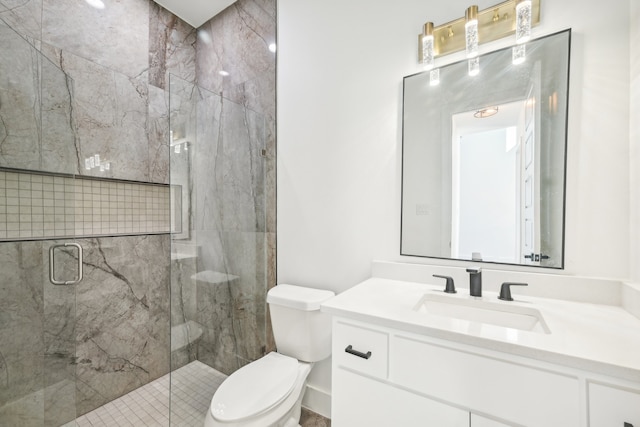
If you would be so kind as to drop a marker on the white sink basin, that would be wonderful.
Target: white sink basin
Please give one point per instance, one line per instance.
(482, 311)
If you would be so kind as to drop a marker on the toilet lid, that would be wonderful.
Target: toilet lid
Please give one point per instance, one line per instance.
(255, 387)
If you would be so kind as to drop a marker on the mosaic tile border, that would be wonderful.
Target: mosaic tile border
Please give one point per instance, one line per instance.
(36, 206)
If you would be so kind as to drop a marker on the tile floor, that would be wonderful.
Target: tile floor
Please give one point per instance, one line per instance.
(192, 387)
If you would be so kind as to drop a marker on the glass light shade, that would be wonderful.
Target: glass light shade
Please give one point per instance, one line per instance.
(427, 52)
(518, 54)
(474, 66)
(523, 21)
(434, 77)
(471, 31)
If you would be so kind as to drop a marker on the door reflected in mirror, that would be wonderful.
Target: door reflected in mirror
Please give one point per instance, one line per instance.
(484, 159)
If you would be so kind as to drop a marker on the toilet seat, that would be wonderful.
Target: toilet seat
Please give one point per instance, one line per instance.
(255, 388)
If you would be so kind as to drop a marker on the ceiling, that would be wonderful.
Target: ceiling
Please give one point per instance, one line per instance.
(195, 12)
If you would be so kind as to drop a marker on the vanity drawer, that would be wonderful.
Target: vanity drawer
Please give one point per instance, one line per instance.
(612, 406)
(509, 391)
(360, 349)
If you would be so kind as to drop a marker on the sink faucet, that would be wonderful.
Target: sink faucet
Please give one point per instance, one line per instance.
(475, 281)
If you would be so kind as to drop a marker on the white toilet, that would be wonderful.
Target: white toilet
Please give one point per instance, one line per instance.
(268, 392)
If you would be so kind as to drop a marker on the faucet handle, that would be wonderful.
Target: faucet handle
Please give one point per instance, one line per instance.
(449, 287)
(505, 290)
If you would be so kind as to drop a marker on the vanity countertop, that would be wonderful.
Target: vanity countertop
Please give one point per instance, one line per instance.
(603, 339)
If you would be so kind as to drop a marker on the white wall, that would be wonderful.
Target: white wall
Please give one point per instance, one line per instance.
(635, 140)
(340, 69)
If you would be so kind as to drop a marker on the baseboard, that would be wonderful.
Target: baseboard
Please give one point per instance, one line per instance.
(318, 401)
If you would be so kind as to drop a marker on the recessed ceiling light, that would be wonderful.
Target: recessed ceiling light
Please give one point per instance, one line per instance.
(98, 4)
(223, 73)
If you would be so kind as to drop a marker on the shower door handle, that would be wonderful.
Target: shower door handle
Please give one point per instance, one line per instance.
(52, 269)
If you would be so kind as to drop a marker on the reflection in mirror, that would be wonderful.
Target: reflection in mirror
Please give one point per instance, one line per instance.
(484, 158)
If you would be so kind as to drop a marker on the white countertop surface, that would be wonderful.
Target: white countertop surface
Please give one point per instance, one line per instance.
(604, 339)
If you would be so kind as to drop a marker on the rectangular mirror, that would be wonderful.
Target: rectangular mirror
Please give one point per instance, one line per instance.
(484, 158)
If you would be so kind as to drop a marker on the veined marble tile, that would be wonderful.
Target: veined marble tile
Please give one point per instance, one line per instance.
(243, 203)
(270, 177)
(116, 37)
(207, 165)
(24, 16)
(158, 133)
(244, 55)
(172, 47)
(59, 338)
(245, 254)
(110, 115)
(19, 101)
(60, 144)
(21, 326)
(122, 322)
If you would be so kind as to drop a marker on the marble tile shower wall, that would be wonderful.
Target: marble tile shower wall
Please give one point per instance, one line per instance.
(112, 99)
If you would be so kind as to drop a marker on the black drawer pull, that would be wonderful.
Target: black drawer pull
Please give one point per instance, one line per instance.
(366, 355)
(628, 425)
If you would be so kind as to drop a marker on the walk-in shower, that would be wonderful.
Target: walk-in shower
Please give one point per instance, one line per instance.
(135, 244)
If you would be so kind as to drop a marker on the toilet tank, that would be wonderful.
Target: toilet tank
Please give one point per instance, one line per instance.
(299, 328)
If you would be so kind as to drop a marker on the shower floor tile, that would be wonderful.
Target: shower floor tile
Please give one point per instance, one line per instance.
(193, 386)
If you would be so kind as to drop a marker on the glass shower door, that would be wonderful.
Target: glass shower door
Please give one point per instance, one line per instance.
(39, 259)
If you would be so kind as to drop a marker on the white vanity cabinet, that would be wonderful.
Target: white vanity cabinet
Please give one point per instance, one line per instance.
(613, 406)
(362, 393)
(384, 377)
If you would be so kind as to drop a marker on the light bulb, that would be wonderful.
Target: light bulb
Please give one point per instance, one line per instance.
(523, 21)
(427, 46)
(471, 31)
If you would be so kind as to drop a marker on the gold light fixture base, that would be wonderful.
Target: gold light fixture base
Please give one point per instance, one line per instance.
(494, 23)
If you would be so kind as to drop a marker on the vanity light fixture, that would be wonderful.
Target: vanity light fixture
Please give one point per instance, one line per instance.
(471, 31)
(486, 112)
(427, 46)
(493, 23)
